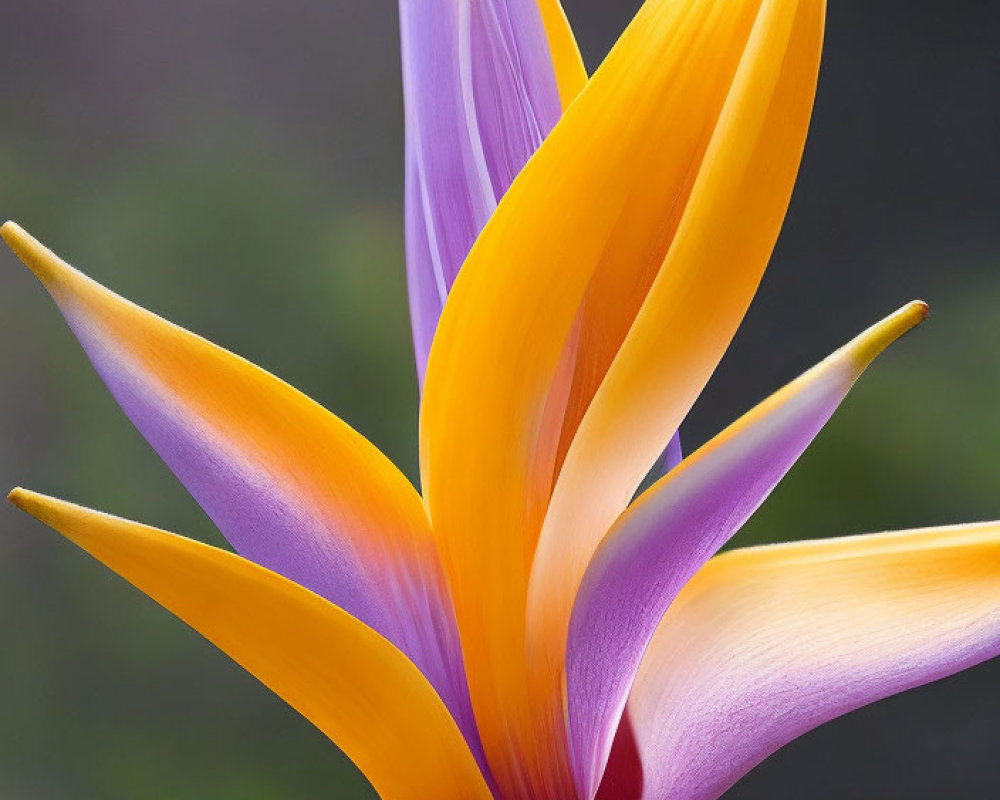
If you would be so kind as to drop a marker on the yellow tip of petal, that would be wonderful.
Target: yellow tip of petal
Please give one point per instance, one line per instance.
(57, 514)
(19, 497)
(61, 515)
(32, 503)
(46, 265)
(880, 335)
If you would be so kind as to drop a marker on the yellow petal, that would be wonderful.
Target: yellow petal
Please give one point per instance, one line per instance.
(711, 271)
(700, 99)
(710, 274)
(343, 677)
(622, 280)
(571, 74)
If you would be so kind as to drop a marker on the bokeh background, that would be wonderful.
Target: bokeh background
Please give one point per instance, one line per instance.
(236, 166)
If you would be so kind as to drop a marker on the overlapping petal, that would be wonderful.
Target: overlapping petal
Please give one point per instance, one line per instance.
(481, 93)
(629, 266)
(291, 486)
(588, 316)
(345, 678)
(571, 74)
(622, 779)
(678, 524)
(768, 642)
(679, 153)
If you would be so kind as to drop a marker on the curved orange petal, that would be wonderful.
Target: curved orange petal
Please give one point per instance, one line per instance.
(346, 679)
(622, 280)
(571, 74)
(685, 94)
(714, 263)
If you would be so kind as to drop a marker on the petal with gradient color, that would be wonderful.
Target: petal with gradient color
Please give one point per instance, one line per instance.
(346, 679)
(766, 643)
(715, 260)
(290, 485)
(678, 524)
(701, 107)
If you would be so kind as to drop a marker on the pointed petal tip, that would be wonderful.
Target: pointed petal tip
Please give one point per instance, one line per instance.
(18, 496)
(32, 503)
(22, 243)
(907, 317)
(265, 623)
(880, 335)
(45, 264)
(918, 309)
(48, 510)
(10, 229)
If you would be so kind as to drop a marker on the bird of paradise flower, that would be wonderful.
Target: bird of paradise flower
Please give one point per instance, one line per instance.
(523, 631)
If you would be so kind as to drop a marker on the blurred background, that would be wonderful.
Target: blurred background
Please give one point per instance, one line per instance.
(236, 167)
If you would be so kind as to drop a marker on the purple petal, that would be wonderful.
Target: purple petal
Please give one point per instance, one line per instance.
(677, 525)
(672, 456)
(766, 643)
(481, 95)
(623, 779)
(290, 485)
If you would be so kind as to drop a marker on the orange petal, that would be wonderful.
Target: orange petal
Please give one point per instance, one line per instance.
(711, 271)
(699, 98)
(346, 679)
(571, 74)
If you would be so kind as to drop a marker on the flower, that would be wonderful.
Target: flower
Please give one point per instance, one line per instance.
(580, 253)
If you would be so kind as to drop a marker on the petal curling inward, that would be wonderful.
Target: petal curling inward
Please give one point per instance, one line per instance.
(698, 113)
(766, 643)
(481, 94)
(669, 532)
(290, 485)
(345, 678)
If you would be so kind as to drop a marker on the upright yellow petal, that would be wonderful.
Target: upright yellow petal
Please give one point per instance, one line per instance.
(346, 679)
(700, 294)
(695, 94)
(571, 74)
(714, 264)
(629, 265)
